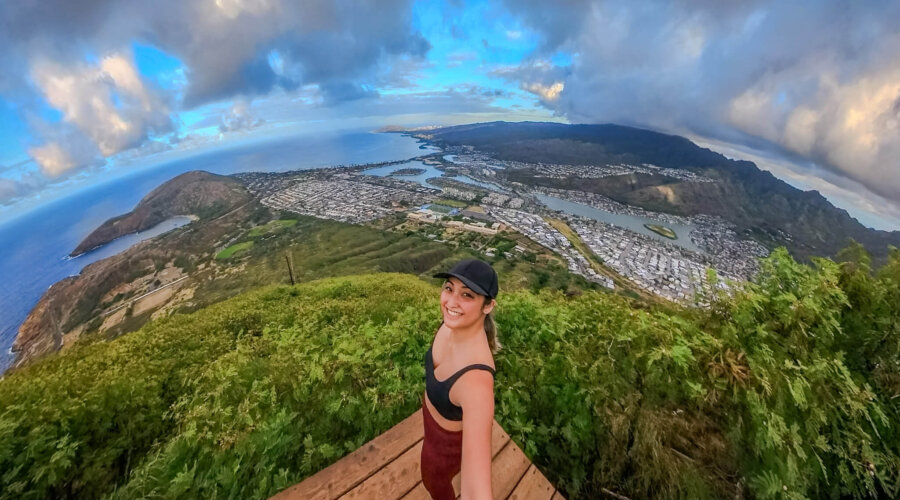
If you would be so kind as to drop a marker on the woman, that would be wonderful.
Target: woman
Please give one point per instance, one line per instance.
(458, 405)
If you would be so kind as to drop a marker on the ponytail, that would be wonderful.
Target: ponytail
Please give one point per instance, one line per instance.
(490, 328)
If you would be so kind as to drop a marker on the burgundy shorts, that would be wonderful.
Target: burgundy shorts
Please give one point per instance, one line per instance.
(441, 457)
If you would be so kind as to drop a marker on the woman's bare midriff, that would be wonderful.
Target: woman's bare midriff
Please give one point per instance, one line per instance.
(450, 425)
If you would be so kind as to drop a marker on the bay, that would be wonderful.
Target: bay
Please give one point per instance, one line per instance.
(36, 245)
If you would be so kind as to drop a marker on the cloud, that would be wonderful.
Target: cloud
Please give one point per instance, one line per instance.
(9, 190)
(77, 58)
(538, 77)
(107, 102)
(822, 82)
(65, 150)
(547, 93)
(13, 190)
(239, 117)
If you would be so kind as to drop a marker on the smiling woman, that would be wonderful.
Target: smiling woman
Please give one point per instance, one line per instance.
(458, 405)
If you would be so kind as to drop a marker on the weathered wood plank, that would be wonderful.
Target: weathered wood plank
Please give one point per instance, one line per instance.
(388, 467)
(499, 438)
(418, 493)
(351, 470)
(507, 468)
(533, 486)
(394, 480)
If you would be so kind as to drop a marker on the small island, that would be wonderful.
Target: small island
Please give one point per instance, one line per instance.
(408, 171)
(662, 231)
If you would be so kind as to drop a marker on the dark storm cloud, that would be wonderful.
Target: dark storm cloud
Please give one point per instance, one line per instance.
(816, 79)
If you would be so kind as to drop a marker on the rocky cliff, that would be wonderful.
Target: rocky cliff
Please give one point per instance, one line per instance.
(73, 302)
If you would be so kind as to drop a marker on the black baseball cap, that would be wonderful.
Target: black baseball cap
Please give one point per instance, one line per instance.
(475, 274)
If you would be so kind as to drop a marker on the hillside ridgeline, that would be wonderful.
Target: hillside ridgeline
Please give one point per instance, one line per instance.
(759, 204)
(183, 270)
(787, 390)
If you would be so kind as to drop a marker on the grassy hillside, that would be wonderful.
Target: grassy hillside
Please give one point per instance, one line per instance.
(788, 390)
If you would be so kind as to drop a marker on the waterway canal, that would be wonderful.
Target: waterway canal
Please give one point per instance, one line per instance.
(631, 222)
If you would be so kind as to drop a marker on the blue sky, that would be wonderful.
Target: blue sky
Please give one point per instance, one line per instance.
(809, 90)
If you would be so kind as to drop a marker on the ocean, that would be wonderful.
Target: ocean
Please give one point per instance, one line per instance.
(36, 245)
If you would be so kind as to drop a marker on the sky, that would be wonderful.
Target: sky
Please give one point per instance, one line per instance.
(809, 90)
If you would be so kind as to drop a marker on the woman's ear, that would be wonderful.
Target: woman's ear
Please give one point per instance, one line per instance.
(489, 306)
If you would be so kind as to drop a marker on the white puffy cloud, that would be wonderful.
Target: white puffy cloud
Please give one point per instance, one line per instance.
(107, 102)
(545, 92)
(65, 150)
(239, 117)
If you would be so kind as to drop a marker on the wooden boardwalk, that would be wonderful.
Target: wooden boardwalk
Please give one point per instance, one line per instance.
(387, 467)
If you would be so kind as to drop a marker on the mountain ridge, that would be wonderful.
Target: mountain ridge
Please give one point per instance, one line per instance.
(762, 206)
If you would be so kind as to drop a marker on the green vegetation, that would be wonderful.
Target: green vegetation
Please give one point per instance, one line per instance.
(452, 203)
(502, 244)
(274, 225)
(662, 231)
(233, 249)
(184, 262)
(408, 171)
(444, 209)
(787, 389)
(212, 210)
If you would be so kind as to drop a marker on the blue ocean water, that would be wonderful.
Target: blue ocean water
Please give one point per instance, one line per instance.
(35, 246)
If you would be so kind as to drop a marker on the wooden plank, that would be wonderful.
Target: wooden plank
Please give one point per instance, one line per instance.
(557, 496)
(418, 493)
(499, 438)
(507, 468)
(353, 469)
(394, 480)
(533, 486)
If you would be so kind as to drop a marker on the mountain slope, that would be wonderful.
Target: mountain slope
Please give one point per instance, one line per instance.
(263, 390)
(760, 205)
(197, 193)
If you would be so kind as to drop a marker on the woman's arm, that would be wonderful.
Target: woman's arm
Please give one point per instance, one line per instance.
(477, 401)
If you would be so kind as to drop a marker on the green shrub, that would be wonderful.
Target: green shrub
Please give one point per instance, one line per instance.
(788, 388)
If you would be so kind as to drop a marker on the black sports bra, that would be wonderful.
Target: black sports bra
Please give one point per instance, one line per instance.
(439, 390)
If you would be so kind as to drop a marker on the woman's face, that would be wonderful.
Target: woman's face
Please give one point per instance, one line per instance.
(461, 306)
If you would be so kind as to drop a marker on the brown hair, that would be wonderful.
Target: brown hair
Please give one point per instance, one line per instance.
(490, 328)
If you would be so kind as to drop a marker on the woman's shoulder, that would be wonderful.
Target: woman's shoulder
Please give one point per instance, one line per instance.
(481, 355)
(478, 354)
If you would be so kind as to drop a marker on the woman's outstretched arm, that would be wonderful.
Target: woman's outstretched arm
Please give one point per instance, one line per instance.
(477, 402)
